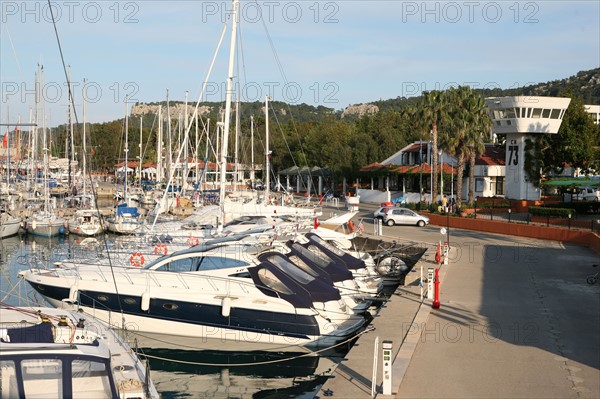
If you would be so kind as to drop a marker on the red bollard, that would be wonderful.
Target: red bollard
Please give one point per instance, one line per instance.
(436, 290)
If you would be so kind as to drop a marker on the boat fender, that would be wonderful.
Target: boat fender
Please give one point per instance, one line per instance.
(191, 241)
(226, 307)
(136, 259)
(351, 226)
(160, 249)
(145, 303)
(33, 225)
(73, 293)
(61, 230)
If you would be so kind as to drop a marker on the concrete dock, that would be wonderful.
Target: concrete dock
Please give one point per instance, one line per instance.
(517, 320)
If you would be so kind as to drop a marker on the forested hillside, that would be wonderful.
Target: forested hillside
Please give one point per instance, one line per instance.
(301, 134)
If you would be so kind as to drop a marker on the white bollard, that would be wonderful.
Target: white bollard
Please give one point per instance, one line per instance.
(387, 367)
(430, 283)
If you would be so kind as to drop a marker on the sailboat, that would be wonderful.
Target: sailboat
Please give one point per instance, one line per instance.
(127, 218)
(86, 220)
(9, 224)
(45, 223)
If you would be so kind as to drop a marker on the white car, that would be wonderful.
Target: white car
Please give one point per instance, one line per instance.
(589, 194)
(380, 213)
(395, 216)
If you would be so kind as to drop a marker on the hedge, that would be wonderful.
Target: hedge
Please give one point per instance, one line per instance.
(581, 207)
(551, 212)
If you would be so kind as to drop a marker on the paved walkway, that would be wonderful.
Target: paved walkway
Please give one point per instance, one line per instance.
(517, 321)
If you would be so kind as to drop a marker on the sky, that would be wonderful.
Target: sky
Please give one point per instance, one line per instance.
(330, 53)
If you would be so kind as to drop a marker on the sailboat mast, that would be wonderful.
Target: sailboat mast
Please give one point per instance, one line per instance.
(229, 93)
(84, 144)
(126, 166)
(185, 145)
(196, 157)
(169, 144)
(252, 147)
(45, 148)
(237, 136)
(70, 148)
(267, 151)
(141, 138)
(159, 145)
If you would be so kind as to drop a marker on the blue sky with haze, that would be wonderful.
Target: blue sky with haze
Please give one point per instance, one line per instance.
(331, 53)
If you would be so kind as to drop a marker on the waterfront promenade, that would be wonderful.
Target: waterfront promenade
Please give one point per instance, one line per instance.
(517, 320)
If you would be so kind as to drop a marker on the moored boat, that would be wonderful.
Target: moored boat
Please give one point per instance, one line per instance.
(55, 353)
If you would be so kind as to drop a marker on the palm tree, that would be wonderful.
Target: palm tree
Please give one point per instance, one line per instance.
(479, 124)
(433, 112)
(468, 123)
(457, 130)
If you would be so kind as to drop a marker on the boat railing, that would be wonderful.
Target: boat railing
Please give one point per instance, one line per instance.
(186, 280)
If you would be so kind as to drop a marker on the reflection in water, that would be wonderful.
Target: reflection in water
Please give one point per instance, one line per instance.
(244, 374)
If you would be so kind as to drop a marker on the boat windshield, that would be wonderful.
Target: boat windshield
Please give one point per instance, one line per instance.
(291, 269)
(273, 282)
(327, 245)
(316, 258)
(302, 265)
(43, 378)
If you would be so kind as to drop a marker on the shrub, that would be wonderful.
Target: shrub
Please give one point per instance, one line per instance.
(551, 212)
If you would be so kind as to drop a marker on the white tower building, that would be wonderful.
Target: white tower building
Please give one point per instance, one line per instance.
(520, 118)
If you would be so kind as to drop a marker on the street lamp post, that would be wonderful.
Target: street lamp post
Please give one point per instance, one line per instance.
(569, 220)
(441, 154)
(509, 212)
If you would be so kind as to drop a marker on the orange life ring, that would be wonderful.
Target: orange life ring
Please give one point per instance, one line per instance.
(191, 241)
(351, 226)
(160, 249)
(136, 259)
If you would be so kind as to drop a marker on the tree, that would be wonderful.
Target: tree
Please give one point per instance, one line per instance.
(479, 124)
(576, 145)
(433, 111)
(467, 126)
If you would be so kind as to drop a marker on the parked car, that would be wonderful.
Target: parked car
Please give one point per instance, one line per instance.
(380, 213)
(395, 216)
(589, 194)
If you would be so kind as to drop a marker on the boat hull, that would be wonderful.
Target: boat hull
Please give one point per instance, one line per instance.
(9, 229)
(46, 229)
(204, 321)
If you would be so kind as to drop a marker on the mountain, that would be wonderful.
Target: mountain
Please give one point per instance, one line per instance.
(585, 84)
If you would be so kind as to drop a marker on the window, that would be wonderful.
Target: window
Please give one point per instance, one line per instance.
(287, 267)
(314, 256)
(178, 266)
(555, 114)
(271, 281)
(497, 185)
(302, 265)
(8, 380)
(42, 378)
(479, 184)
(328, 246)
(546, 113)
(537, 113)
(510, 113)
(219, 262)
(90, 379)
